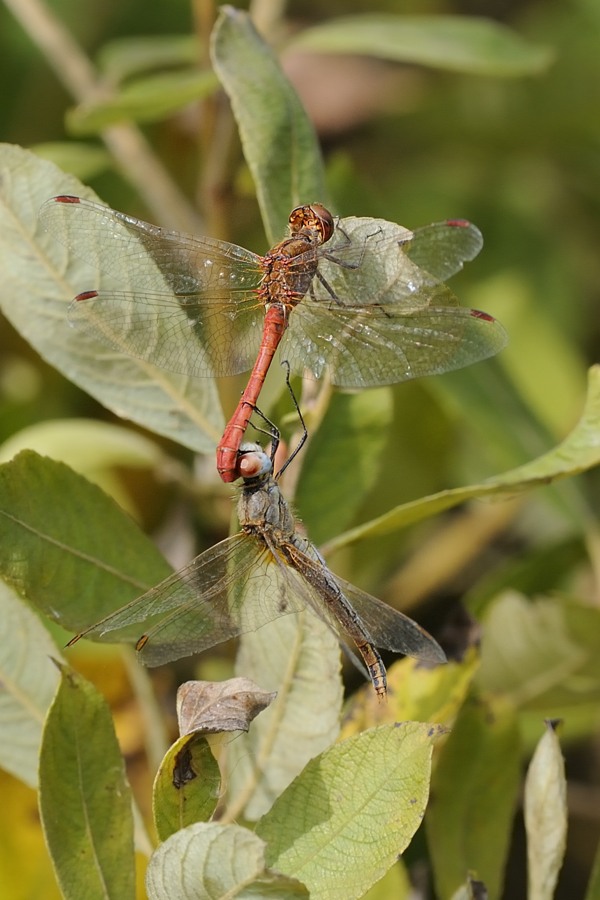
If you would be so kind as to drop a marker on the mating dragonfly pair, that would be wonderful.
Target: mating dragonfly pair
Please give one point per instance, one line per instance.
(360, 300)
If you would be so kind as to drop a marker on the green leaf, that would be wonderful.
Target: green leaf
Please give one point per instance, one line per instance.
(28, 682)
(350, 442)
(123, 57)
(87, 445)
(40, 278)
(186, 787)
(279, 142)
(579, 452)
(545, 808)
(539, 572)
(395, 883)
(299, 657)
(85, 800)
(544, 657)
(342, 823)
(549, 373)
(85, 161)
(527, 650)
(147, 99)
(211, 860)
(68, 547)
(593, 888)
(91, 448)
(475, 46)
(473, 796)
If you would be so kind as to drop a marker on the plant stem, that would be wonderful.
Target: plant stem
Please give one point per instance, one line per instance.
(267, 16)
(156, 741)
(131, 151)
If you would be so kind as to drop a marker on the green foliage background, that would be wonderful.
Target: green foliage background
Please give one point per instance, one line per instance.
(516, 150)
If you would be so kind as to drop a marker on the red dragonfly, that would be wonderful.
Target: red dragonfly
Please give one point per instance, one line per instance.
(265, 571)
(359, 299)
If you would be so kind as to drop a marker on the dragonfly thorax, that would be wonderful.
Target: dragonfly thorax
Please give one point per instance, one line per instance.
(290, 266)
(289, 269)
(263, 510)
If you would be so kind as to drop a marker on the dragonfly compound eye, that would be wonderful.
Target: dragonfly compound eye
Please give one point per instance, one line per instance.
(253, 464)
(324, 219)
(312, 218)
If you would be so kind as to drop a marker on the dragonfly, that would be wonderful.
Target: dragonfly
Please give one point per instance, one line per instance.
(358, 299)
(265, 571)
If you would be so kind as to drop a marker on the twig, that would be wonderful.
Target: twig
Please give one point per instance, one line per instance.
(131, 151)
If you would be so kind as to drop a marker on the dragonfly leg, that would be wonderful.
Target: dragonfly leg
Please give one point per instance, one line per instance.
(273, 432)
(344, 263)
(303, 439)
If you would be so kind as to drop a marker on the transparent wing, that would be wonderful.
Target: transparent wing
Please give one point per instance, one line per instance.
(391, 629)
(369, 617)
(378, 312)
(386, 344)
(186, 303)
(232, 588)
(238, 586)
(441, 249)
(187, 335)
(114, 242)
(376, 255)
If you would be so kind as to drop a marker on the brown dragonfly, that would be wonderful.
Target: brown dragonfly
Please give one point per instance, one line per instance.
(265, 571)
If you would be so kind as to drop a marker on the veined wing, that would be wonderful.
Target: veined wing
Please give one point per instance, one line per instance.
(381, 261)
(378, 312)
(185, 334)
(389, 628)
(364, 346)
(442, 249)
(121, 245)
(229, 589)
(362, 613)
(185, 303)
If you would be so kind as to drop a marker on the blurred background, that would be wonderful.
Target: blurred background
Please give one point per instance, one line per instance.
(520, 157)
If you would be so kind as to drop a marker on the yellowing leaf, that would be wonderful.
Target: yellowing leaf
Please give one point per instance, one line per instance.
(545, 807)
(186, 787)
(395, 883)
(25, 867)
(342, 823)
(414, 692)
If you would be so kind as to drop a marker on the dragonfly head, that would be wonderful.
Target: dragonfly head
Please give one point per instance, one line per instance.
(253, 462)
(312, 220)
